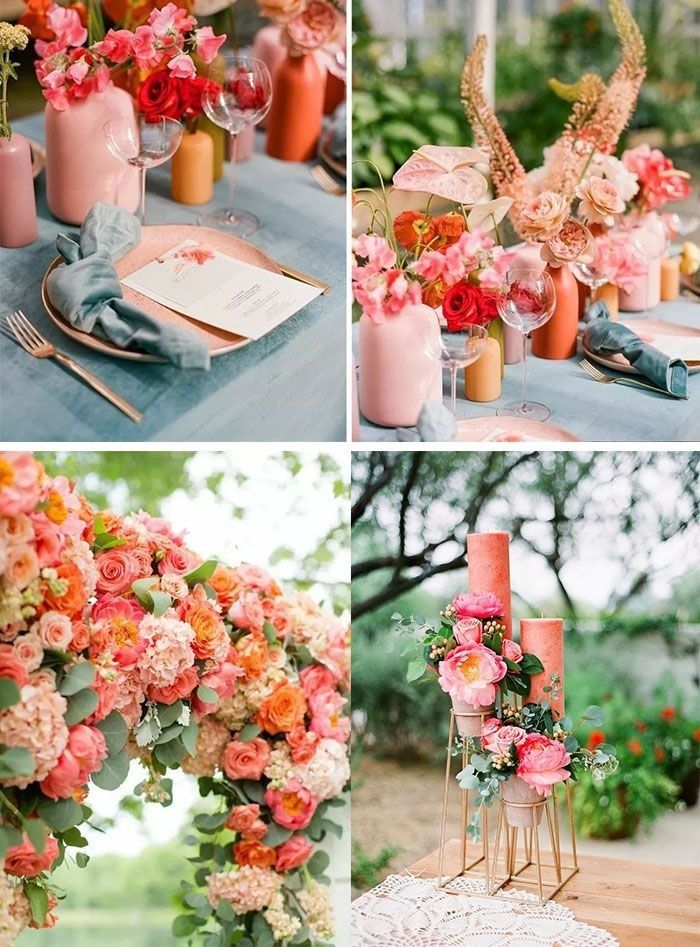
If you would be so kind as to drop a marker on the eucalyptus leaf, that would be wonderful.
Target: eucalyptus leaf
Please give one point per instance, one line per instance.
(81, 705)
(204, 571)
(60, 814)
(114, 730)
(16, 761)
(9, 693)
(114, 771)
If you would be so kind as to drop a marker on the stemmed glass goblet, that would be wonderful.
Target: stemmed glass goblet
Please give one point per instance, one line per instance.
(590, 276)
(526, 302)
(143, 145)
(455, 349)
(238, 94)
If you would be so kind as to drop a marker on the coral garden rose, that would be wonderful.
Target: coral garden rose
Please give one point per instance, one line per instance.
(254, 853)
(11, 667)
(600, 201)
(542, 762)
(243, 818)
(293, 806)
(480, 605)
(245, 760)
(283, 710)
(573, 243)
(467, 630)
(23, 861)
(544, 216)
(316, 678)
(302, 743)
(293, 853)
(55, 631)
(181, 687)
(512, 651)
(471, 672)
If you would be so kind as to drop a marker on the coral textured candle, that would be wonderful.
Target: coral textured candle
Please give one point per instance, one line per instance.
(192, 169)
(670, 278)
(610, 294)
(544, 637)
(488, 565)
(557, 338)
(482, 379)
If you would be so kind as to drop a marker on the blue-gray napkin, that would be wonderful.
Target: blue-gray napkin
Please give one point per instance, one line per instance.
(605, 337)
(87, 292)
(435, 423)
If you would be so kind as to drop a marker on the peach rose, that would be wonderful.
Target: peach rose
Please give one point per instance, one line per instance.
(253, 655)
(243, 818)
(11, 667)
(210, 637)
(283, 710)
(174, 585)
(116, 569)
(573, 243)
(293, 853)
(81, 637)
(29, 650)
(600, 201)
(181, 687)
(21, 566)
(543, 216)
(254, 853)
(245, 760)
(293, 806)
(55, 631)
(302, 743)
(23, 861)
(225, 584)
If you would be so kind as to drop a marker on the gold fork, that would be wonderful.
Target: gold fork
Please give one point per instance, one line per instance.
(597, 375)
(35, 344)
(329, 184)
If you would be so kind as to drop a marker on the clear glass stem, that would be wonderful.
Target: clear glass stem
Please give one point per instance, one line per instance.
(524, 367)
(232, 181)
(142, 207)
(453, 389)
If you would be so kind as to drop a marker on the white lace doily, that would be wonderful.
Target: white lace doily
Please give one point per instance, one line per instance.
(405, 911)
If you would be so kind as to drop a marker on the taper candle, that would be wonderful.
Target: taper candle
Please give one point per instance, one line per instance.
(488, 565)
(544, 637)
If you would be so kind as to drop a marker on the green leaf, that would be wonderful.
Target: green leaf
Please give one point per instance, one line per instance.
(38, 901)
(275, 834)
(195, 900)
(184, 925)
(209, 822)
(147, 732)
(270, 632)
(415, 669)
(60, 814)
(161, 602)
(249, 732)
(79, 676)
(189, 738)
(81, 859)
(204, 571)
(225, 912)
(81, 705)
(318, 863)
(74, 838)
(9, 836)
(16, 761)
(37, 830)
(207, 695)
(153, 600)
(113, 773)
(9, 693)
(114, 730)
(170, 733)
(169, 713)
(171, 753)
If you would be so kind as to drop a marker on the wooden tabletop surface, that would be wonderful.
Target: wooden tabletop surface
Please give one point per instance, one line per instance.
(643, 904)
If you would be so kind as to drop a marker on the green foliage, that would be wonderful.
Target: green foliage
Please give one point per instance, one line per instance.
(367, 870)
(633, 797)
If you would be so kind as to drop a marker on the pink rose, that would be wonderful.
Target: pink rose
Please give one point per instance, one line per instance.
(293, 806)
(246, 760)
(542, 762)
(543, 216)
(490, 726)
(178, 560)
(480, 605)
(317, 24)
(246, 612)
(113, 606)
(116, 570)
(503, 738)
(512, 651)
(207, 44)
(470, 672)
(22, 860)
(55, 631)
(182, 67)
(316, 678)
(467, 630)
(600, 201)
(293, 853)
(83, 755)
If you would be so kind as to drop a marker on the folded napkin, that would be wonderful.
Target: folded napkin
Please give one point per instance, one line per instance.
(435, 423)
(87, 292)
(605, 337)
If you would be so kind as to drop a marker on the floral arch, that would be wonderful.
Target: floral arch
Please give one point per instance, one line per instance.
(118, 642)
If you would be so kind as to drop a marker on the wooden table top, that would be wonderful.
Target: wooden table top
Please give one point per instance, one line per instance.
(641, 903)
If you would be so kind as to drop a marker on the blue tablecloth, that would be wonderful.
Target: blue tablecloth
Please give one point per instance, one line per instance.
(288, 386)
(590, 410)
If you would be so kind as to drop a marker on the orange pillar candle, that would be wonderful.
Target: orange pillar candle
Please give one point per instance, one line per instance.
(544, 637)
(556, 339)
(482, 379)
(610, 294)
(670, 278)
(192, 169)
(488, 565)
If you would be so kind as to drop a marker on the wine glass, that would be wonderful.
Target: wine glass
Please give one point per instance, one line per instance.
(454, 350)
(143, 145)
(590, 276)
(526, 302)
(238, 94)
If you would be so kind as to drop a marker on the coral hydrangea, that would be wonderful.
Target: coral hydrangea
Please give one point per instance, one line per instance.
(247, 889)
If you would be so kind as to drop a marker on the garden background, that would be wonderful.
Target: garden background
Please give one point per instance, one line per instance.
(286, 511)
(608, 541)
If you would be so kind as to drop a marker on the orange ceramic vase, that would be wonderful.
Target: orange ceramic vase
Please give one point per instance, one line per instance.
(609, 293)
(295, 118)
(557, 338)
(192, 169)
(334, 95)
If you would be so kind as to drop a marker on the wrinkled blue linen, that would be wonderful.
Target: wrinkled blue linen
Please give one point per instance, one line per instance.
(435, 423)
(86, 290)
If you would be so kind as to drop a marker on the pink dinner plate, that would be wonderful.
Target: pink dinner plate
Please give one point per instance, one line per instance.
(507, 430)
(154, 242)
(645, 329)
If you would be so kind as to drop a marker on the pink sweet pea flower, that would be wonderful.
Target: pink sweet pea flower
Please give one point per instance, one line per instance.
(144, 47)
(430, 266)
(471, 673)
(58, 98)
(170, 20)
(117, 45)
(67, 26)
(542, 762)
(208, 45)
(78, 71)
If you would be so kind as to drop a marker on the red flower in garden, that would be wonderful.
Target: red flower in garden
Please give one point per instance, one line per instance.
(641, 726)
(668, 714)
(696, 735)
(659, 754)
(466, 305)
(635, 747)
(595, 738)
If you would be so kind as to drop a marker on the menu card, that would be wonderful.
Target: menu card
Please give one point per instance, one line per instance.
(213, 288)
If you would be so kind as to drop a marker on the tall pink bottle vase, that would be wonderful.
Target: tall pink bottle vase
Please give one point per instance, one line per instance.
(396, 374)
(268, 47)
(80, 168)
(18, 226)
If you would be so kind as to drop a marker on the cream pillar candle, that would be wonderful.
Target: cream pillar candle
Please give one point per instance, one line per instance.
(544, 637)
(488, 564)
(482, 379)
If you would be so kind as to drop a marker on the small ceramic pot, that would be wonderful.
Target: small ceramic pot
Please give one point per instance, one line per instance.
(524, 813)
(471, 725)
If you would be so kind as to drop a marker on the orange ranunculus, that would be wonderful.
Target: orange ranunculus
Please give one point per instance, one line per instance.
(282, 710)
(413, 229)
(450, 226)
(225, 584)
(73, 600)
(635, 747)
(668, 714)
(254, 853)
(253, 655)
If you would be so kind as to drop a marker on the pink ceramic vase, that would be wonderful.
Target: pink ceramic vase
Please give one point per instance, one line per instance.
(523, 812)
(396, 374)
(645, 293)
(470, 717)
(17, 203)
(80, 169)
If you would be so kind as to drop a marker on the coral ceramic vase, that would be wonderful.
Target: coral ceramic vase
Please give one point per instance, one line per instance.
(609, 294)
(556, 339)
(334, 95)
(80, 168)
(296, 115)
(192, 169)
(396, 374)
(17, 203)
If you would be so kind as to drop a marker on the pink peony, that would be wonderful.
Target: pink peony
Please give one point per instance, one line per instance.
(19, 483)
(293, 806)
(467, 630)
(481, 605)
(293, 853)
(620, 259)
(501, 740)
(246, 760)
(542, 762)
(208, 45)
(326, 709)
(470, 672)
(512, 651)
(23, 861)
(55, 631)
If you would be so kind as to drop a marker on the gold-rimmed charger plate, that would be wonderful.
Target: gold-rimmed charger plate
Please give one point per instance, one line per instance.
(155, 241)
(645, 329)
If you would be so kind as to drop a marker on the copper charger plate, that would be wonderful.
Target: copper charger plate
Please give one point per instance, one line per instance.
(154, 242)
(645, 328)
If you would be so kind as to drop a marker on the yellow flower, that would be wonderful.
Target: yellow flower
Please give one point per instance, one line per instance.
(690, 258)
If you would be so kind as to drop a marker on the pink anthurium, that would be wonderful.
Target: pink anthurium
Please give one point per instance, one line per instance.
(445, 172)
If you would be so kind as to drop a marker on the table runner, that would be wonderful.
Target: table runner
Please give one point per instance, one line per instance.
(407, 910)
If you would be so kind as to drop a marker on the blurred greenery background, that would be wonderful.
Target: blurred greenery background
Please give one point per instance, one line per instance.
(610, 541)
(286, 511)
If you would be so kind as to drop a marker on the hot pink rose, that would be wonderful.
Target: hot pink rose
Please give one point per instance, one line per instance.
(503, 738)
(207, 44)
(512, 651)
(293, 853)
(316, 678)
(116, 570)
(480, 605)
(179, 560)
(293, 806)
(22, 860)
(470, 672)
(181, 687)
(246, 612)
(246, 760)
(467, 630)
(55, 631)
(542, 762)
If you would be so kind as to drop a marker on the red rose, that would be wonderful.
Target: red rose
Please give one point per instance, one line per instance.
(249, 94)
(466, 305)
(159, 96)
(192, 93)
